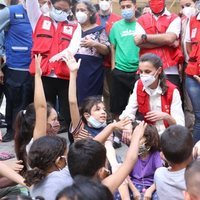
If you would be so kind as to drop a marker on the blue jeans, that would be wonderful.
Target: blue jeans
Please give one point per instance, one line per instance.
(193, 89)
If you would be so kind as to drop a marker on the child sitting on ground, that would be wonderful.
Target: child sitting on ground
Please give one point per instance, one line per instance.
(176, 146)
(141, 180)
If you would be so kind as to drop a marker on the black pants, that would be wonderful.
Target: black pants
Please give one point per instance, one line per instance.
(18, 90)
(57, 89)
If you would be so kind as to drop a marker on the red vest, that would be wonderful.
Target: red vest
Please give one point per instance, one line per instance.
(143, 100)
(193, 67)
(170, 56)
(109, 23)
(48, 41)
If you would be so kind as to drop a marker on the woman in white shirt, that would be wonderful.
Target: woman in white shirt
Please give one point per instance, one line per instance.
(156, 99)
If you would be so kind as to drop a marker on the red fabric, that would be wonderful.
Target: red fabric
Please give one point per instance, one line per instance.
(49, 41)
(157, 6)
(193, 67)
(111, 20)
(170, 56)
(143, 100)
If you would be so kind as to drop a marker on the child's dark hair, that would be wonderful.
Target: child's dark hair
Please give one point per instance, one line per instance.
(24, 126)
(42, 155)
(133, 1)
(87, 105)
(157, 63)
(92, 155)
(85, 188)
(151, 136)
(21, 197)
(192, 178)
(91, 8)
(176, 144)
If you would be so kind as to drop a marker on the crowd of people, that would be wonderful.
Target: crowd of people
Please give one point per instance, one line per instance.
(104, 79)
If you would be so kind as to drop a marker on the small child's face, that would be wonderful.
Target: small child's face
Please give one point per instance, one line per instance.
(99, 112)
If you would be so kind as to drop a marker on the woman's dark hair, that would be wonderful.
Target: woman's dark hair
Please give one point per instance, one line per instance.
(42, 156)
(92, 155)
(87, 105)
(24, 126)
(156, 62)
(67, 1)
(85, 188)
(91, 9)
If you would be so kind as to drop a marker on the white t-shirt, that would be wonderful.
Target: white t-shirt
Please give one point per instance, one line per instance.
(169, 185)
(51, 185)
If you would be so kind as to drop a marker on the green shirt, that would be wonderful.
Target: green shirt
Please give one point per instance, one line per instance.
(126, 52)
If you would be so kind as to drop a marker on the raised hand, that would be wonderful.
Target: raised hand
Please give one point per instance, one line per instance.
(139, 129)
(38, 70)
(71, 62)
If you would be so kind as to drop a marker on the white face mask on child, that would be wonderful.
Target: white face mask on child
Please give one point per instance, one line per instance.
(95, 123)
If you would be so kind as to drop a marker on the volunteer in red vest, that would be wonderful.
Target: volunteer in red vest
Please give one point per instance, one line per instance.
(54, 35)
(156, 99)
(159, 34)
(192, 71)
(106, 18)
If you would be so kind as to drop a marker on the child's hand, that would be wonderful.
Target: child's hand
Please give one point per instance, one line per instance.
(139, 129)
(127, 133)
(38, 70)
(122, 124)
(16, 165)
(136, 195)
(71, 62)
(147, 194)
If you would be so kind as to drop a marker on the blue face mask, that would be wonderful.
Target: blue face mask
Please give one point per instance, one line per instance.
(95, 123)
(128, 13)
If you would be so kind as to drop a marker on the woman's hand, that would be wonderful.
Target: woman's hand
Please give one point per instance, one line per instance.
(155, 116)
(86, 42)
(38, 70)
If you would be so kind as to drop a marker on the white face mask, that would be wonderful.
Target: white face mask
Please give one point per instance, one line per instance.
(189, 11)
(147, 79)
(95, 123)
(45, 8)
(58, 15)
(81, 17)
(104, 5)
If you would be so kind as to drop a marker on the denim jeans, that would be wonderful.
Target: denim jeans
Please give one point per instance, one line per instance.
(193, 89)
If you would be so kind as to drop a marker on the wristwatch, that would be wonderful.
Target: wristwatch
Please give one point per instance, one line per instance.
(144, 38)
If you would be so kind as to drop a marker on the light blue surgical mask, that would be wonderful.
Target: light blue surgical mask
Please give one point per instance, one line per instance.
(58, 15)
(128, 13)
(95, 123)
